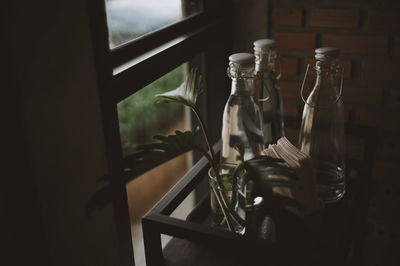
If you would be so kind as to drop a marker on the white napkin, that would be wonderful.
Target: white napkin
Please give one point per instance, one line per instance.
(294, 158)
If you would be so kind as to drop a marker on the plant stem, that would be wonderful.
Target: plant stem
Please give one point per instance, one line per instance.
(224, 211)
(205, 132)
(210, 149)
(234, 180)
(221, 193)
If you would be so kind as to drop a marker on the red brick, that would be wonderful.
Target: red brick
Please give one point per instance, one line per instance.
(355, 147)
(381, 71)
(291, 108)
(370, 45)
(311, 62)
(290, 89)
(335, 18)
(289, 66)
(383, 20)
(382, 120)
(362, 95)
(394, 99)
(295, 40)
(289, 16)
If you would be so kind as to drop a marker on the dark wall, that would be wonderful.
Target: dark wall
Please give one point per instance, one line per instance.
(249, 23)
(19, 200)
(55, 145)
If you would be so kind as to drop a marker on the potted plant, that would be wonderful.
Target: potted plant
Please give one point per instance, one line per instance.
(282, 210)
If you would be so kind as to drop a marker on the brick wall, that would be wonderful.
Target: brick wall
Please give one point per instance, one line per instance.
(368, 35)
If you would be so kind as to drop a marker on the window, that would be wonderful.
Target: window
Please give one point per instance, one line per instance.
(141, 118)
(154, 118)
(133, 67)
(130, 19)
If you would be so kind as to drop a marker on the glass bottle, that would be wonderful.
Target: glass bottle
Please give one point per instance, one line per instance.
(322, 128)
(242, 137)
(268, 93)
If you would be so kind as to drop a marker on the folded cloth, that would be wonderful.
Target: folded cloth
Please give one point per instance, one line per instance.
(301, 163)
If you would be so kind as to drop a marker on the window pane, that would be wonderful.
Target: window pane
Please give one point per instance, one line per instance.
(130, 19)
(140, 118)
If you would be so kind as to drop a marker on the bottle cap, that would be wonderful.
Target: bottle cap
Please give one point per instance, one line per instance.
(326, 53)
(264, 44)
(241, 66)
(242, 59)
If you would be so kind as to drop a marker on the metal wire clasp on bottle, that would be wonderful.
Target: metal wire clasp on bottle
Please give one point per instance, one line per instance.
(319, 68)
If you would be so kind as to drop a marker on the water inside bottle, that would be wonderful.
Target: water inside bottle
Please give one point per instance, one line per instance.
(241, 132)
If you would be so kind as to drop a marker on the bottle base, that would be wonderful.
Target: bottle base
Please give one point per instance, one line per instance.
(330, 182)
(330, 194)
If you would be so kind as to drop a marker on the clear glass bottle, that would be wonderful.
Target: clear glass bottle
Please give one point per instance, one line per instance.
(322, 129)
(242, 137)
(267, 91)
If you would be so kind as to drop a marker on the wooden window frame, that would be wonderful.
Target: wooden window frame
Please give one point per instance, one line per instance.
(153, 56)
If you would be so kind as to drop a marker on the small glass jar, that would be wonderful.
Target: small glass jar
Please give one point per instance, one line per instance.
(216, 209)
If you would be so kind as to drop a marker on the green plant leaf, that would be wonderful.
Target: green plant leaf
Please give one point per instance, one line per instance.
(144, 158)
(264, 171)
(150, 155)
(187, 92)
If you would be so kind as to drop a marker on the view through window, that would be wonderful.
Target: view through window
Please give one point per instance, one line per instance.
(141, 118)
(130, 19)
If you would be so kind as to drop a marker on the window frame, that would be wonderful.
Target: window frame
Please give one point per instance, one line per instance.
(207, 32)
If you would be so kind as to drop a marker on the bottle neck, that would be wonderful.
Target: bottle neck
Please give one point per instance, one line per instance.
(326, 89)
(327, 66)
(242, 79)
(244, 87)
(263, 63)
(327, 71)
